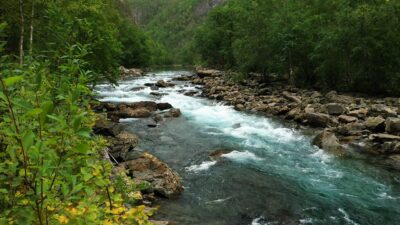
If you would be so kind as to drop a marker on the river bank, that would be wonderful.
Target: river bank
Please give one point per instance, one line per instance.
(348, 124)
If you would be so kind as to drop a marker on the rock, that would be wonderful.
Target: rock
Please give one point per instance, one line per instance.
(383, 137)
(293, 113)
(148, 168)
(290, 97)
(239, 107)
(334, 97)
(202, 73)
(390, 148)
(375, 124)
(318, 119)
(149, 105)
(136, 88)
(215, 155)
(163, 84)
(383, 110)
(158, 94)
(316, 94)
(173, 113)
(329, 142)
(359, 113)
(164, 106)
(105, 127)
(133, 72)
(132, 113)
(347, 119)
(128, 138)
(157, 118)
(392, 125)
(335, 109)
(191, 93)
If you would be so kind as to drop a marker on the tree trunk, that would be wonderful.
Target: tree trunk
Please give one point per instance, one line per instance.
(31, 28)
(22, 31)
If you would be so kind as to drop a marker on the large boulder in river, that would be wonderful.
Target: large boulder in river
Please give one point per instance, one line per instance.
(335, 109)
(328, 141)
(131, 113)
(148, 168)
(163, 84)
(392, 125)
(164, 106)
(173, 113)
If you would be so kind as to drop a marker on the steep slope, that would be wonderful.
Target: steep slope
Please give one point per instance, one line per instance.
(171, 23)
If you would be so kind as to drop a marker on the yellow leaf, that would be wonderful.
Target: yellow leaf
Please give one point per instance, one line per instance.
(62, 219)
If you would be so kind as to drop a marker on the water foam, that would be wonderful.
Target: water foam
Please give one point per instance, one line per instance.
(202, 167)
(242, 156)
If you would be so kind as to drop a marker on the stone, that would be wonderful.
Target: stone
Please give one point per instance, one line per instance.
(347, 119)
(291, 97)
(315, 94)
(173, 113)
(383, 137)
(215, 155)
(148, 168)
(163, 84)
(392, 125)
(329, 142)
(164, 106)
(359, 113)
(375, 124)
(132, 113)
(335, 109)
(318, 119)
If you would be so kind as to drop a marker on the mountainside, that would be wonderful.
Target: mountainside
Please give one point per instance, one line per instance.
(171, 23)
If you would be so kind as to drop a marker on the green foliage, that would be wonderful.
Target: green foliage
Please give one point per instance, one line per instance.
(52, 169)
(345, 45)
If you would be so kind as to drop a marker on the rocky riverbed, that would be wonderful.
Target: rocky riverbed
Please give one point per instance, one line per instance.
(246, 157)
(347, 123)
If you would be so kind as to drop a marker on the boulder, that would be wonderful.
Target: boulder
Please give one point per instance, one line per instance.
(133, 72)
(132, 113)
(347, 119)
(122, 144)
(375, 124)
(149, 105)
(148, 168)
(392, 125)
(335, 109)
(329, 142)
(318, 119)
(334, 97)
(164, 106)
(173, 113)
(215, 155)
(163, 84)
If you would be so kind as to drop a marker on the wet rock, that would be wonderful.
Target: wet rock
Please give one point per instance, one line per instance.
(328, 141)
(105, 127)
(318, 119)
(149, 105)
(173, 113)
(296, 112)
(158, 118)
(131, 113)
(334, 97)
(136, 88)
(148, 168)
(164, 106)
(215, 155)
(383, 137)
(375, 124)
(122, 144)
(347, 119)
(191, 93)
(335, 109)
(158, 94)
(163, 84)
(392, 125)
(315, 94)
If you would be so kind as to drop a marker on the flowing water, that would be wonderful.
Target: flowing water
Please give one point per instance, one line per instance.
(270, 174)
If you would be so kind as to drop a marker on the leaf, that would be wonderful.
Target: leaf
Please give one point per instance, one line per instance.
(82, 148)
(28, 139)
(84, 132)
(12, 80)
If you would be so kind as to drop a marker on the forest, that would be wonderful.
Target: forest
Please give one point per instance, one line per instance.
(53, 53)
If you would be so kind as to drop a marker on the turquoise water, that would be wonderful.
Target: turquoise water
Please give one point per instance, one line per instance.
(270, 175)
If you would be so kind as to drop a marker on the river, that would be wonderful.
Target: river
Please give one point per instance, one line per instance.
(271, 174)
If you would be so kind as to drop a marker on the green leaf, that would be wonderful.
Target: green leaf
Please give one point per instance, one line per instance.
(84, 132)
(82, 148)
(12, 80)
(28, 139)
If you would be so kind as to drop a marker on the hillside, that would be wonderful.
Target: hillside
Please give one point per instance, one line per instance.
(171, 23)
